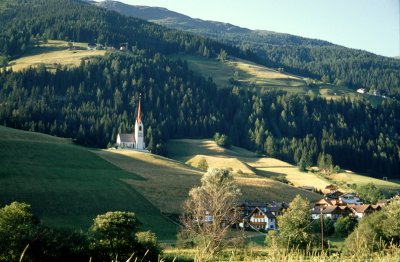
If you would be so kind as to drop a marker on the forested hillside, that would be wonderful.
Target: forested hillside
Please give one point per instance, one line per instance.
(302, 56)
(95, 101)
(23, 23)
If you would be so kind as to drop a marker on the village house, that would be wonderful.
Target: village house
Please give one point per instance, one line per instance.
(350, 198)
(262, 220)
(261, 215)
(133, 141)
(335, 194)
(324, 202)
(332, 212)
(359, 211)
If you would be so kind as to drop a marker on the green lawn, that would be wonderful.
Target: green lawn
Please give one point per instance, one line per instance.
(68, 185)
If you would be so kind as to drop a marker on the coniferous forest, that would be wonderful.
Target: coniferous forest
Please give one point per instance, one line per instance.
(93, 102)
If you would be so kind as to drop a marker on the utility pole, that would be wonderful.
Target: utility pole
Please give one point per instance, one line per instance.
(322, 231)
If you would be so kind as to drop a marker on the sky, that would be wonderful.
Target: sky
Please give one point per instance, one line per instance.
(371, 25)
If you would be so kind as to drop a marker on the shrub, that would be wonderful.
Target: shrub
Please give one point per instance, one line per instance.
(222, 140)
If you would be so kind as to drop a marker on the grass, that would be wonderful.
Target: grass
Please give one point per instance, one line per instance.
(166, 183)
(260, 79)
(261, 253)
(233, 163)
(54, 53)
(248, 74)
(348, 177)
(261, 170)
(254, 187)
(68, 185)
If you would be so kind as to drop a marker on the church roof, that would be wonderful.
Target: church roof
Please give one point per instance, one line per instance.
(127, 138)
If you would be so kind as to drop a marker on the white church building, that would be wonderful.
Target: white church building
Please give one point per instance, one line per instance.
(133, 141)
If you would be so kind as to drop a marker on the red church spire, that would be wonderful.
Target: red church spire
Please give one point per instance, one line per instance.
(139, 112)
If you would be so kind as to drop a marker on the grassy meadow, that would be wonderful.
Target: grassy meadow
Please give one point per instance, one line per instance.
(67, 185)
(256, 168)
(54, 53)
(254, 186)
(261, 78)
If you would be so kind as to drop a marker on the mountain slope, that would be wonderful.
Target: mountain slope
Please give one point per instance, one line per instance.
(182, 22)
(302, 56)
(24, 23)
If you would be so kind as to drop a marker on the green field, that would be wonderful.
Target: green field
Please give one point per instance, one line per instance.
(54, 53)
(68, 185)
(259, 78)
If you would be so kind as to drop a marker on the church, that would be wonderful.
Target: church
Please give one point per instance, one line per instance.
(133, 141)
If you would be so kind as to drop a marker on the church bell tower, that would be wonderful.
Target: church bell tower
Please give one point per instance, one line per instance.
(139, 130)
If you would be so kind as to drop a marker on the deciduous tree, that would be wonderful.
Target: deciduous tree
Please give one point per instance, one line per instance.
(210, 211)
(295, 225)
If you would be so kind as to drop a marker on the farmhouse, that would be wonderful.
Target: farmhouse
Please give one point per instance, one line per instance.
(261, 215)
(133, 141)
(260, 219)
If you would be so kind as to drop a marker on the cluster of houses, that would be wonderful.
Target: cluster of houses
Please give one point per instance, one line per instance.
(262, 216)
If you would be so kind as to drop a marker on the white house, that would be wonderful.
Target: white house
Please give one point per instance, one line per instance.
(133, 141)
(350, 198)
(263, 220)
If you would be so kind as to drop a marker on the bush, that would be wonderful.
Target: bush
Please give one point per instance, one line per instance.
(203, 165)
(148, 244)
(113, 235)
(222, 140)
(329, 227)
(344, 226)
(376, 231)
(18, 228)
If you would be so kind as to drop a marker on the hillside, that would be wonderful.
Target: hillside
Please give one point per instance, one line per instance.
(252, 165)
(93, 102)
(302, 56)
(168, 182)
(68, 185)
(55, 53)
(245, 74)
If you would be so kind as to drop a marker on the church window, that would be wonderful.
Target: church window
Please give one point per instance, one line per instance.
(140, 128)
